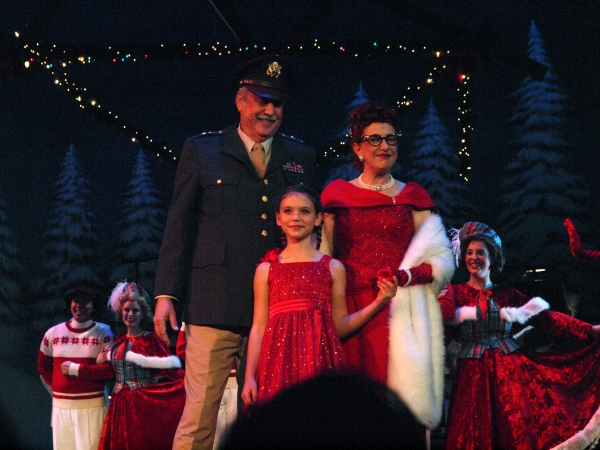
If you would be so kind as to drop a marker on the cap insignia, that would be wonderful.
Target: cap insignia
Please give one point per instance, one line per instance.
(274, 69)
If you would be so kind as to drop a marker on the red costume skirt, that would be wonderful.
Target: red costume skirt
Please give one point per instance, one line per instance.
(523, 400)
(143, 419)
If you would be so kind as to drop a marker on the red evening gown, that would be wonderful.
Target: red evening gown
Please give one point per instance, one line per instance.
(371, 230)
(506, 398)
(300, 340)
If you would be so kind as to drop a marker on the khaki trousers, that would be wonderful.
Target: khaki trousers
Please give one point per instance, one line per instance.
(209, 356)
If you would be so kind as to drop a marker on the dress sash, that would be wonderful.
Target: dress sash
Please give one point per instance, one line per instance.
(304, 304)
(299, 304)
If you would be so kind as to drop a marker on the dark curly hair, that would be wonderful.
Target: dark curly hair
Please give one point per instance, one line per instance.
(82, 295)
(313, 196)
(495, 251)
(364, 115)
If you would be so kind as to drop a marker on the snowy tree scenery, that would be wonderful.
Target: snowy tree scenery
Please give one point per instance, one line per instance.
(540, 191)
(435, 166)
(12, 272)
(142, 227)
(68, 256)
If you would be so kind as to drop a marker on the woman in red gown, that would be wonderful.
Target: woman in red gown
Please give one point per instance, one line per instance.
(374, 221)
(503, 396)
(148, 398)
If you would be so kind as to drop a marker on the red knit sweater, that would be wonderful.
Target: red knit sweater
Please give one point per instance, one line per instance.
(62, 343)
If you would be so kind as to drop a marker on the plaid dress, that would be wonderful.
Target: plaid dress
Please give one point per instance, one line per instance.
(480, 335)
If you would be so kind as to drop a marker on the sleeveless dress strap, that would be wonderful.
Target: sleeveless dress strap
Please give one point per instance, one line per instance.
(326, 259)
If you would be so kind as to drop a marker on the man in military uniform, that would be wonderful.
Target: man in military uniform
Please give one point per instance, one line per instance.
(220, 222)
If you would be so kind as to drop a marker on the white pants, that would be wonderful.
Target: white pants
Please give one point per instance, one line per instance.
(227, 410)
(77, 429)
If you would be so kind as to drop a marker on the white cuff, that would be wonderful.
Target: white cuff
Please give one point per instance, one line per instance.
(74, 369)
(464, 313)
(154, 362)
(523, 313)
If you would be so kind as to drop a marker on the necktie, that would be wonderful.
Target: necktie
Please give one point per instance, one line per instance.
(258, 159)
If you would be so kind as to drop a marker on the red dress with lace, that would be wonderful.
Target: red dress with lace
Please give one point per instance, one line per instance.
(372, 230)
(300, 340)
(506, 397)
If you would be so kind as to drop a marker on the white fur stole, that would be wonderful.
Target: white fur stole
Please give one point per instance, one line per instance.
(416, 352)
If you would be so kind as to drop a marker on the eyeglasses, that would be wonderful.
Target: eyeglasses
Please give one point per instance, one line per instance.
(375, 139)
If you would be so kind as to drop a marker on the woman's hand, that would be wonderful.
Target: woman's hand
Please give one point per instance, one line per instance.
(102, 357)
(64, 367)
(250, 391)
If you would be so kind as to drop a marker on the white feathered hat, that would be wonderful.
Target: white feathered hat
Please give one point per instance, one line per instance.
(132, 291)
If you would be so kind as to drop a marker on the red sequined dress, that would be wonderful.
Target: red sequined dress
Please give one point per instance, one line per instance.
(371, 230)
(507, 397)
(300, 339)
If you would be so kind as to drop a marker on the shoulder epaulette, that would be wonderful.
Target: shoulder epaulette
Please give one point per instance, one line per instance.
(208, 133)
(292, 138)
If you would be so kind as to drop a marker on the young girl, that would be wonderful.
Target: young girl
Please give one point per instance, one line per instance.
(299, 304)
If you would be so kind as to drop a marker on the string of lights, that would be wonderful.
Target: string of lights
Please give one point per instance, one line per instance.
(408, 98)
(142, 52)
(466, 127)
(57, 60)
